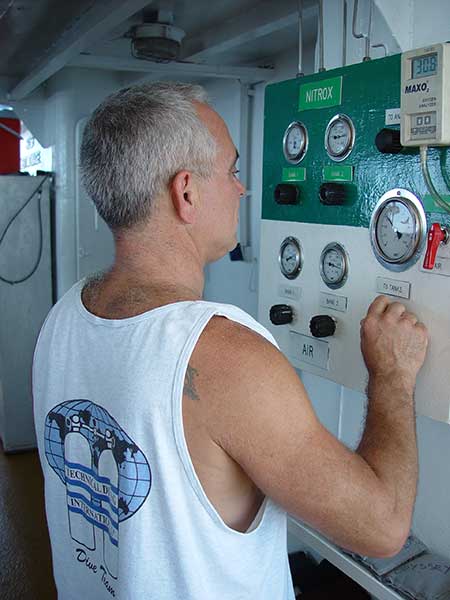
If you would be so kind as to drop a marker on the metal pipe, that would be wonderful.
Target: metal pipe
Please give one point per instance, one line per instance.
(344, 36)
(369, 29)
(321, 60)
(300, 39)
(360, 36)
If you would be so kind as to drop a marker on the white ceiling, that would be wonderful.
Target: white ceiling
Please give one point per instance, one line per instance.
(39, 37)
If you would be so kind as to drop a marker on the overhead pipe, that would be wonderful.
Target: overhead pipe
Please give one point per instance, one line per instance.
(321, 59)
(361, 35)
(300, 39)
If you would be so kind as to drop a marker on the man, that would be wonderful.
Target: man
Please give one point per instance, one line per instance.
(173, 434)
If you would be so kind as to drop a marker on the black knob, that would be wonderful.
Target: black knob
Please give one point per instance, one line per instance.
(281, 314)
(388, 141)
(322, 326)
(332, 194)
(286, 193)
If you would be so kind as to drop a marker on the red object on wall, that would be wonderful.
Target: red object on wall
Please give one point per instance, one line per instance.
(9, 147)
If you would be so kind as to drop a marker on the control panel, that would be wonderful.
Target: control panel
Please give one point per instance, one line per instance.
(346, 216)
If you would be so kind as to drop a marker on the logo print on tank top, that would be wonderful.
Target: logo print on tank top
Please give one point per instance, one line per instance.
(106, 475)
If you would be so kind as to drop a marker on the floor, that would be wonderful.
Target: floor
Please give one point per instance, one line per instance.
(25, 560)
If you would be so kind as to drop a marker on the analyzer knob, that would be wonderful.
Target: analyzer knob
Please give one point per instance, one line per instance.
(286, 193)
(332, 194)
(388, 141)
(322, 326)
(281, 314)
(437, 235)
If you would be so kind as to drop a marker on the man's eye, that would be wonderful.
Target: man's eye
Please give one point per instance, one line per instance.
(235, 172)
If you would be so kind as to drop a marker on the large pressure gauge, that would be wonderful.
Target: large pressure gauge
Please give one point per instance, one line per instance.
(398, 229)
(295, 142)
(339, 137)
(290, 258)
(334, 265)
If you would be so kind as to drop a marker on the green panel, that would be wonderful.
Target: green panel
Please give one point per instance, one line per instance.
(320, 94)
(294, 174)
(368, 90)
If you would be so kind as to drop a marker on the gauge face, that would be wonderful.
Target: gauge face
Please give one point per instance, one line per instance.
(295, 142)
(398, 230)
(334, 265)
(290, 258)
(339, 137)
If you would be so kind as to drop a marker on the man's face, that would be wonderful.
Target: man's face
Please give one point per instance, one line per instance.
(220, 194)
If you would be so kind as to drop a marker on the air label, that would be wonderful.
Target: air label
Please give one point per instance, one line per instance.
(393, 287)
(309, 350)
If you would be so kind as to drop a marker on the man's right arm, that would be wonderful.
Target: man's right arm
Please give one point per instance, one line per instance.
(257, 410)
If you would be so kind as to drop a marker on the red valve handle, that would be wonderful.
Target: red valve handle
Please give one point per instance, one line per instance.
(436, 236)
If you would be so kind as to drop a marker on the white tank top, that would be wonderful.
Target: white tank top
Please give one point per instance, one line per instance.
(127, 514)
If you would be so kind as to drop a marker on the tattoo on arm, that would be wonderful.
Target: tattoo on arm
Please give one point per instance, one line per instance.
(189, 384)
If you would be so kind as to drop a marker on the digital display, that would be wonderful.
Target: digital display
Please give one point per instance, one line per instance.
(423, 66)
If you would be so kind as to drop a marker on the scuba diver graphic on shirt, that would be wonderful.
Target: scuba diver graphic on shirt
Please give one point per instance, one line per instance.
(106, 475)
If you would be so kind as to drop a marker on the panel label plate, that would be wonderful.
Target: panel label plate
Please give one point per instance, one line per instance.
(392, 116)
(293, 174)
(393, 287)
(309, 350)
(343, 173)
(332, 301)
(289, 291)
(320, 94)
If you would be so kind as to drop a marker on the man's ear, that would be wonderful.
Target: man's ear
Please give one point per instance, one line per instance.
(184, 196)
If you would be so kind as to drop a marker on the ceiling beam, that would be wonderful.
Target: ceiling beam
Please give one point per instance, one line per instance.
(92, 25)
(263, 19)
(248, 74)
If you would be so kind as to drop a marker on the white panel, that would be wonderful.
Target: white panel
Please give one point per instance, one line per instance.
(429, 300)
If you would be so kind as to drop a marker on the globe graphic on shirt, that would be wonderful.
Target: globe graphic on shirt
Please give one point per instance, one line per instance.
(102, 432)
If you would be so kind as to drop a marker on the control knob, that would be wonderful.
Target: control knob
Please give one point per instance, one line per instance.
(286, 193)
(332, 194)
(322, 326)
(388, 141)
(281, 314)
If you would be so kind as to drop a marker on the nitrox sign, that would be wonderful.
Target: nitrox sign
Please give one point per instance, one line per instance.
(320, 94)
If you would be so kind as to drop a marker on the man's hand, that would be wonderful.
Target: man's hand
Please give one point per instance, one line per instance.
(393, 341)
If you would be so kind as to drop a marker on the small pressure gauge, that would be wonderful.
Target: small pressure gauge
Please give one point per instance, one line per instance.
(334, 265)
(290, 258)
(398, 230)
(295, 142)
(339, 137)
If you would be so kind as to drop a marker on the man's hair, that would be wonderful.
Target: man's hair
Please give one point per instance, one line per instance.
(136, 141)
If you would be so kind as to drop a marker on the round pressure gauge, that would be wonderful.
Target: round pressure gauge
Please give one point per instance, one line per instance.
(398, 229)
(290, 258)
(334, 265)
(295, 142)
(339, 137)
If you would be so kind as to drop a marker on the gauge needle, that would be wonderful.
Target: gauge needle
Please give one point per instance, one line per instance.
(336, 137)
(330, 264)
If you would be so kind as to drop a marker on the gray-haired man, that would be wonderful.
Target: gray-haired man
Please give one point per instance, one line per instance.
(173, 434)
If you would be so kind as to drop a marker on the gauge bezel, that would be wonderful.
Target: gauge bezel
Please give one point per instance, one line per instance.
(332, 121)
(415, 207)
(334, 285)
(298, 257)
(302, 152)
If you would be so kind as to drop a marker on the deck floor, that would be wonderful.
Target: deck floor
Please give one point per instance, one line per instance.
(25, 558)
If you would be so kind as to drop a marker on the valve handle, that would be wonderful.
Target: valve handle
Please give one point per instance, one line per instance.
(436, 236)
